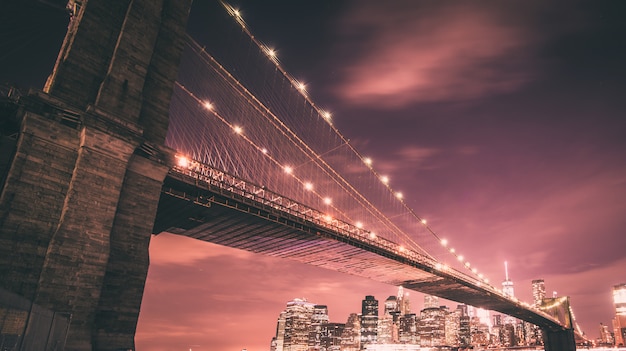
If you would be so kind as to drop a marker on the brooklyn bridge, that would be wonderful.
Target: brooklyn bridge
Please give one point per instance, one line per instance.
(140, 130)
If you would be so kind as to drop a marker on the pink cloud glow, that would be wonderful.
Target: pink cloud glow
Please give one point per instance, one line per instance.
(411, 57)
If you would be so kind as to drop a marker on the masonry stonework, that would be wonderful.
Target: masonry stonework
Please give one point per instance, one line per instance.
(80, 195)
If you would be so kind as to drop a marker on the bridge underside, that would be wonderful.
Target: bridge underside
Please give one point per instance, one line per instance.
(213, 215)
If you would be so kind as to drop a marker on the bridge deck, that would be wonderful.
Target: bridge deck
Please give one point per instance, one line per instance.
(211, 213)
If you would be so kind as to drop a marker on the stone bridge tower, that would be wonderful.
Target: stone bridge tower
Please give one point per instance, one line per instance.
(80, 192)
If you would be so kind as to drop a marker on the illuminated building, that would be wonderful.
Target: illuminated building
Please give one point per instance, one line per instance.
(452, 327)
(369, 320)
(388, 325)
(465, 331)
(404, 305)
(280, 332)
(330, 337)
(431, 301)
(431, 326)
(539, 291)
(619, 322)
(606, 338)
(297, 323)
(391, 305)
(319, 318)
(408, 332)
(350, 337)
(385, 329)
(507, 284)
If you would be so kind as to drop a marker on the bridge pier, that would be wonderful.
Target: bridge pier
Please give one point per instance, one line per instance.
(80, 194)
(559, 340)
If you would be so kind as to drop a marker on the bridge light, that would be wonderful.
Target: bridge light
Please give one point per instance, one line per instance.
(182, 161)
(308, 186)
(328, 218)
(372, 235)
(300, 86)
(438, 266)
(486, 280)
(359, 225)
(424, 222)
(467, 264)
(328, 200)
(271, 53)
(208, 105)
(401, 248)
(474, 270)
(399, 195)
(236, 13)
(325, 114)
(264, 150)
(367, 161)
(384, 179)
(452, 250)
(238, 129)
(288, 169)
(480, 275)
(444, 242)
(460, 258)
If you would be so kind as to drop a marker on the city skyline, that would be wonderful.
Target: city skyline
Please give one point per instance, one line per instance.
(503, 127)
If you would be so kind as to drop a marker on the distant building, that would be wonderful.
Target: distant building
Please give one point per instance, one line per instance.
(606, 337)
(369, 320)
(330, 337)
(408, 332)
(539, 291)
(507, 284)
(351, 335)
(452, 328)
(431, 301)
(280, 332)
(464, 326)
(404, 305)
(431, 326)
(619, 322)
(319, 318)
(292, 331)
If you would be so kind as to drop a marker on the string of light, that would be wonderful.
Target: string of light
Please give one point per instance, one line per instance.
(301, 87)
(301, 145)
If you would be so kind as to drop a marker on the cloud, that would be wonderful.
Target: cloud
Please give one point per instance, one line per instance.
(456, 51)
(170, 249)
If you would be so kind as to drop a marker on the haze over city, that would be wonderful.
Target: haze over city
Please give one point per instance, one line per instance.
(502, 123)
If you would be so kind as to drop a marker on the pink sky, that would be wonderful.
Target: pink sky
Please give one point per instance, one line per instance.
(502, 125)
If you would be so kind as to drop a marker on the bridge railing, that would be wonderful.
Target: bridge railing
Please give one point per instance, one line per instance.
(232, 186)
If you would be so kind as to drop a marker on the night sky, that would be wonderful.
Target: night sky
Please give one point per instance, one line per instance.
(503, 122)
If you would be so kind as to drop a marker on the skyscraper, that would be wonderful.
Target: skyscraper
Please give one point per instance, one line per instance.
(350, 337)
(431, 301)
(619, 322)
(369, 320)
(507, 284)
(319, 319)
(404, 306)
(539, 291)
(297, 322)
